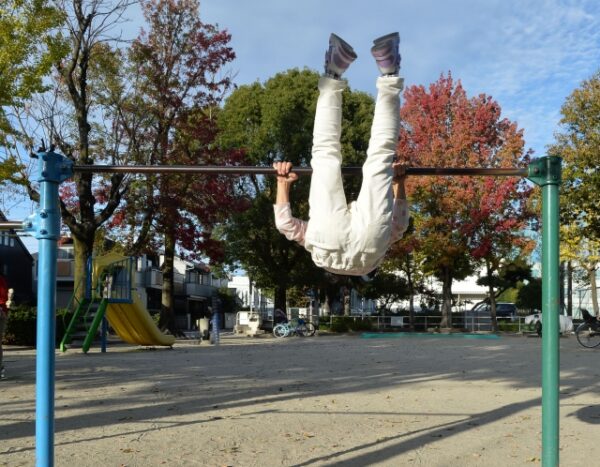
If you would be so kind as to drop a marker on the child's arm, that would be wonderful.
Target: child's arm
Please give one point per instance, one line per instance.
(285, 178)
(400, 210)
(293, 229)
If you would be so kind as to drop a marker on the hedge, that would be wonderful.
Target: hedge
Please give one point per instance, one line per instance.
(21, 326)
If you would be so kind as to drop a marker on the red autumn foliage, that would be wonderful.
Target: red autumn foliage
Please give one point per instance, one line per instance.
(462, 218)
(179, 61)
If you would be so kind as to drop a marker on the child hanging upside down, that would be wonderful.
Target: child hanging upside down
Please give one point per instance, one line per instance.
(341, 238)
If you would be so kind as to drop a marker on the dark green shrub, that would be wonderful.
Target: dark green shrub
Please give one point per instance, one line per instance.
(21, 325)
(339, 324)
(508, 326)
(360, 325)
(349, 323)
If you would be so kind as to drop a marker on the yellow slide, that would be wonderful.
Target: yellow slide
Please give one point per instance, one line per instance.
(133, 324)
(131, 321)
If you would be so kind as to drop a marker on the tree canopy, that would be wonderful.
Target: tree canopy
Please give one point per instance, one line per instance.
(273, 121)
(459, 216)
(578, 143)
(29, 44)
(170, 119)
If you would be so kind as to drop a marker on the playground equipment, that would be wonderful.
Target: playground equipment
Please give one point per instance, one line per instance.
(54, 168)
(111, 293)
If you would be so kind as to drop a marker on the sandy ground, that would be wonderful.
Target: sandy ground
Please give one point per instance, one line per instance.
(327, 400)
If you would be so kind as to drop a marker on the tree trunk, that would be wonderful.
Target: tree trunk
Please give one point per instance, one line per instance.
(325, 300)
(594, 290)
(346, 301)
(167, 313)
(82, 251)
(411, 301)
(325, 308)
(562, 279)
(492, 294)
(281, 297)
(446, 322)
(569, 289)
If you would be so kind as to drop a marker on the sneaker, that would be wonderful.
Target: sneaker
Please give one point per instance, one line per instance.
(338, 57)
(386, 53)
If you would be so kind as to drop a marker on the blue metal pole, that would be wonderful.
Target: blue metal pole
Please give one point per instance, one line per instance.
(46, 310)
(215, 321)
(52, 169)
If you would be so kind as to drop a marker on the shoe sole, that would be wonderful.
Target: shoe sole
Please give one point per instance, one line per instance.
(393, 35)
(347, 48)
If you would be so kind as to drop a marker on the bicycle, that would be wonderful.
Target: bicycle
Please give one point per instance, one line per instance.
(300, 328)
(588, 332)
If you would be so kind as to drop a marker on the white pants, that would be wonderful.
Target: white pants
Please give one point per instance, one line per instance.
(350, 238)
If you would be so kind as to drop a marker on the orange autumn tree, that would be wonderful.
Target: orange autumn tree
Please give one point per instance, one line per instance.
(457, 218)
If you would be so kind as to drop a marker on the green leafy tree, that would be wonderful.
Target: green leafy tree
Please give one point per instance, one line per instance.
(508, 275)
(578, 143)
(72, 115)
(386, 287)
(529, 296)
(503, 281)
(576, 247)
(29, 44)
(407, 257)
(273, 121)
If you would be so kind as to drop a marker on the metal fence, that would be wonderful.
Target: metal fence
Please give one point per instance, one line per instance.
(425, 323)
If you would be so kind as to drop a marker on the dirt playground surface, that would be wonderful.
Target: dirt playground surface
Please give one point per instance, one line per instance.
(322, 401)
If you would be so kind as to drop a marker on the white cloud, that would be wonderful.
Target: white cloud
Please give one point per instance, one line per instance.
(528, 55)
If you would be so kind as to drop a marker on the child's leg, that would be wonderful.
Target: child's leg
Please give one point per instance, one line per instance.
(375, 199)
(327, 199)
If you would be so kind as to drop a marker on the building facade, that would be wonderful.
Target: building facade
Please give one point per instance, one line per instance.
(15, 264)
(194, 284)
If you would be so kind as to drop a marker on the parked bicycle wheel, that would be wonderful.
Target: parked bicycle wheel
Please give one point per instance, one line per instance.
(301, 330)
(588, 335)
(281, 330)
(310, 329)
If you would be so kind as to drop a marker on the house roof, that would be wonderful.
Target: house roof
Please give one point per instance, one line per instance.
(18, 240)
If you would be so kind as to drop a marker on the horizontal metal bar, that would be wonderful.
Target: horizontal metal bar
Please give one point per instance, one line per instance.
(244, 170)
(5, 225)
(468, 171)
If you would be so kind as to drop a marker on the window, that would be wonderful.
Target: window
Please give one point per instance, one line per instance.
(205, 279)
(192, 277)
(65, 253)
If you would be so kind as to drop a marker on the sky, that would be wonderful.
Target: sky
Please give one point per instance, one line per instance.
(528, 55)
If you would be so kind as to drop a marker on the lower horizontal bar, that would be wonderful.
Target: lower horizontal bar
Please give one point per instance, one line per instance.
(244, 170)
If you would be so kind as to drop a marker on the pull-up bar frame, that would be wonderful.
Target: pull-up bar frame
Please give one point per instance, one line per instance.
(45, 223)
(254, 170)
